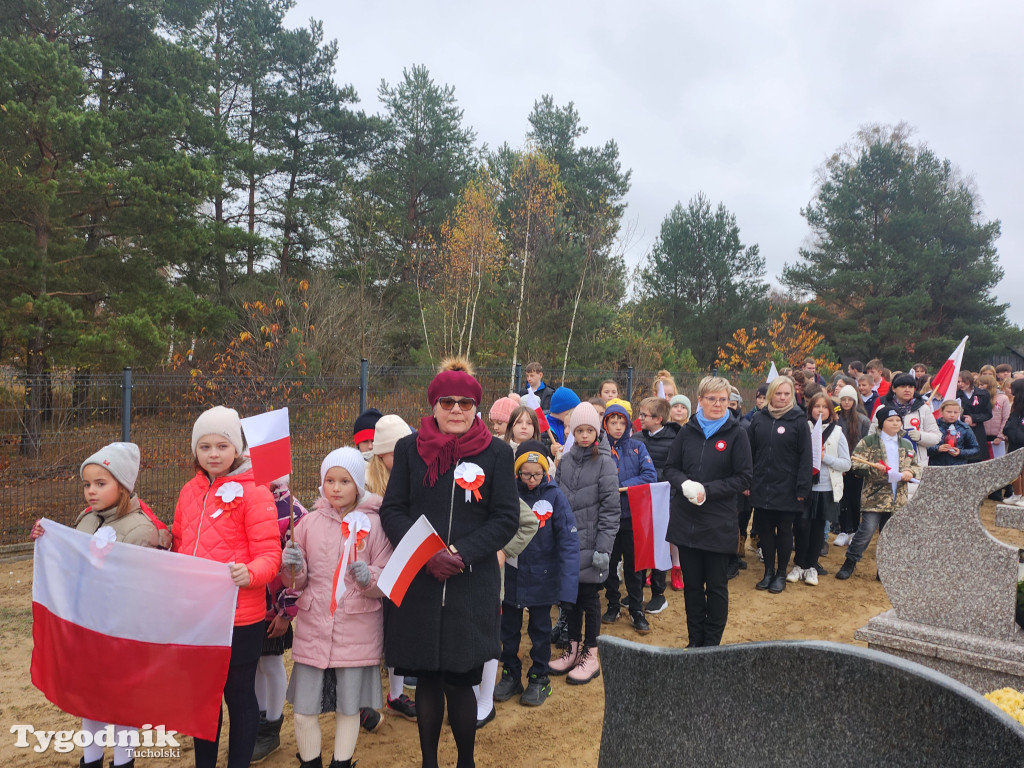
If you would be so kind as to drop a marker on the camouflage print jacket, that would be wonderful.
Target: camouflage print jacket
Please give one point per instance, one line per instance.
(877, 494)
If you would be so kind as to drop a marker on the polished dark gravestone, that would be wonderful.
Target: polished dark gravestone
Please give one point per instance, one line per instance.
(952, 585)
(793, 704)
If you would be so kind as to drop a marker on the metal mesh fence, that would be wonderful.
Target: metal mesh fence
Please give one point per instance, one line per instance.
(50, 424)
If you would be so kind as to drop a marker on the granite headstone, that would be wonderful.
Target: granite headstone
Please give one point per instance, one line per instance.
(793, 704)
(951, 583)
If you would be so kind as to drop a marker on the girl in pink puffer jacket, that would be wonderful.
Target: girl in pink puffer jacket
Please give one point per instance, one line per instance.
(338, 551)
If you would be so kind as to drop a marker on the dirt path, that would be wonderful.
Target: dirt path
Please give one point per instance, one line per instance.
(566, 731)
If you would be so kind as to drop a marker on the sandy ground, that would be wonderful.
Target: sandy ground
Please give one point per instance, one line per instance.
(565, 731)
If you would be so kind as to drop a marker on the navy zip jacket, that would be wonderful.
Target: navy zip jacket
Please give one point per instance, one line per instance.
(631, 457)
(965, 441)
(548, 569)
(722, 464)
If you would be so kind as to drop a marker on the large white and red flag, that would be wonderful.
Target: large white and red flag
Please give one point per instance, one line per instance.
(270, 445)
(817, 432)
(532, 401)
(649, 508)
(130, 635)
(946, 380)
(420, 543)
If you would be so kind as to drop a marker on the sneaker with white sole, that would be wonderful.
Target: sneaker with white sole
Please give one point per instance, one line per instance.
(811, 577)
(842, 540)
(656, 604)
(795, 575)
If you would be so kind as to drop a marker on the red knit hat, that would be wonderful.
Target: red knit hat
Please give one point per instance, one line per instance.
(454, 380)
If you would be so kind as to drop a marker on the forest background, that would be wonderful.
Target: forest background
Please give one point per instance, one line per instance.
(185, 185)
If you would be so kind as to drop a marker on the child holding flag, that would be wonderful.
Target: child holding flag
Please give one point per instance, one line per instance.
(957, 444)
(337, 554)
(108, 478)
(545, 573)
(826, 492)
(223, 515)
(888, 464)
(635, 468)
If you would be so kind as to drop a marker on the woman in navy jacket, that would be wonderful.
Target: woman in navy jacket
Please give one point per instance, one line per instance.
(709, 464)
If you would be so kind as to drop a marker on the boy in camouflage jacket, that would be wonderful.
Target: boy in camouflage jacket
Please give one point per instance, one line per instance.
(888, 463)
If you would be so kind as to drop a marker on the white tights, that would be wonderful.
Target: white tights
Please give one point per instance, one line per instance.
(308, 739)
(271, 682)
(95, 752)
(485, 691)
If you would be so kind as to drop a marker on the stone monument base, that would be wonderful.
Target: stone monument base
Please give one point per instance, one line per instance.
(982, 663)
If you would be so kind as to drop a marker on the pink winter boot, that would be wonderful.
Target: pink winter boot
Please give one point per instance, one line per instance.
(567, 660)
(586, 669)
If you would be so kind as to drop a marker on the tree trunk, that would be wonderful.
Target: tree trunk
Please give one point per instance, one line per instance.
(519, 309)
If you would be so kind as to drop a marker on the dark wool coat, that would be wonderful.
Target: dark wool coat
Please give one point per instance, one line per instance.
(548, 570)
(1014, 431)
(781, 449)
(591, 485)
(722, 465)
(979, 407)
(463, 632)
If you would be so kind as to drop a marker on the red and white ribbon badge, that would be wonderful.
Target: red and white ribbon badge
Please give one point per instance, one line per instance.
(469, 477)
(230, 495)
(542, 509)
(354, 528)
(915, 423)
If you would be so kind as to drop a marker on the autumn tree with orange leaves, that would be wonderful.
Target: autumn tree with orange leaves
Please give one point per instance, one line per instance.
(785, 340)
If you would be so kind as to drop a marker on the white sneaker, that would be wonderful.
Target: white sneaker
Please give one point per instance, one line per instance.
(1017, 501)
(842, 540)
(811, 577)
(795, 575)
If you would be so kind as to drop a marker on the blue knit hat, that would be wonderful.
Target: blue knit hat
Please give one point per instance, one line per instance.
(563, 399)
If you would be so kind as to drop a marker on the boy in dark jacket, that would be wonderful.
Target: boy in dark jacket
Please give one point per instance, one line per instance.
(535, 381)
(545, 573)
(957, 445)
(635, 468)
(657, 434)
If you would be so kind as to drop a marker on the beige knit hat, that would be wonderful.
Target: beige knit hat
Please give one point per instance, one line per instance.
(219, 421)
(389, 430)
(584, 414)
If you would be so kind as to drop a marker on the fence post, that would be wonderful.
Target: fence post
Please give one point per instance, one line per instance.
(363, 375)
(629, 384)
(519, 376)
(126, 405)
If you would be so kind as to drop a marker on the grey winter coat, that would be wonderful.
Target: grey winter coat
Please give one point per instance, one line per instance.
(592, 489)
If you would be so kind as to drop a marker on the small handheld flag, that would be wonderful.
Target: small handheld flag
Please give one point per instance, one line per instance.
(270, 445)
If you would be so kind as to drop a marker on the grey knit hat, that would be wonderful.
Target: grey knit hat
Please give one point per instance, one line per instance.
(119, 459)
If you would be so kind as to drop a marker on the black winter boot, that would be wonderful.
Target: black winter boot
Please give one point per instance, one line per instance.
(560, 632)
(268, 738)
(350, 763)
(847, 570)
(91, 764)
(778, 584)
(129, 764)
(316, 762)
(766, 581)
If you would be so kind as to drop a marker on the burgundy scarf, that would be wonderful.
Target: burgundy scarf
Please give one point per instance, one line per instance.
(440, 451)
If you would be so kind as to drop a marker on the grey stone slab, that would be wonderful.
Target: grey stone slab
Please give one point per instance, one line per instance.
(939, 565)
(793, 704)
(1010, 516)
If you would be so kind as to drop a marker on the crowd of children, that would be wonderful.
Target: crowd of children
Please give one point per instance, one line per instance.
(308, 580)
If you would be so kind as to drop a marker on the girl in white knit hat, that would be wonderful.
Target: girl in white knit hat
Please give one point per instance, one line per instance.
(337, 554)
(108, 478)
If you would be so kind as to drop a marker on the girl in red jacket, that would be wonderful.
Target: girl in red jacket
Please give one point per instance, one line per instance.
(223, 515)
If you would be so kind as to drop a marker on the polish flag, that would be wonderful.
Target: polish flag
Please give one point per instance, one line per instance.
(946, 380)
(130, 635)
(532, 401)
(420, 543)
(816, 434)
(648, 506)
(270, 445)
(773, 373)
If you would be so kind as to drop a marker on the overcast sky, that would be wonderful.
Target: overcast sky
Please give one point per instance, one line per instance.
(740, 100)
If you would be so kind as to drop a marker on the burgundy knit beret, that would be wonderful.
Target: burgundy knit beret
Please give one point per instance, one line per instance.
(454, 384)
